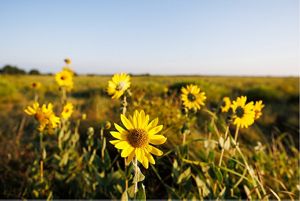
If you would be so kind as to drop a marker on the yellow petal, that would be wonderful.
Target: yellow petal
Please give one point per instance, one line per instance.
(135, 119)
(142, 119)
(114, 141)
(154, 150)
(126, 152)
(130, 157)
(150, 157)
(157, 139)
(122, 145)
(145, 159)
(119, 128)
(118, 135)
(139, 154)
(152, 124)
(126, 122)
(155, 130)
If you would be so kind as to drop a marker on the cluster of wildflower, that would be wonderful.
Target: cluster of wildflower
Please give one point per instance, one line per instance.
(44, 115)
(136, 140)
(242, 113)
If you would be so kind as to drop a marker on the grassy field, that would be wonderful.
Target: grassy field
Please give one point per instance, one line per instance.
(188, 171)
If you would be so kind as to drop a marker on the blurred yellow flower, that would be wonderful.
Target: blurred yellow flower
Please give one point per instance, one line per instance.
(243, 114)
(118, 85)
(69, 70)
(137, 138)
(84, 116)
(258, 106)
(44, 115)
(35, 85)
(67, 111)
(64, 79)
(226, 104)
(192, 97)
(68, 61)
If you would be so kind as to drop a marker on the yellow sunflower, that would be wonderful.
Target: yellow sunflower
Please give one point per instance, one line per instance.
(192, 97)
(44, 115)
(243, 114)
(64, 79)
(226, 104)
(67, 111)
(138, 138)
(35, 85)
(118, 85)
(258, 106)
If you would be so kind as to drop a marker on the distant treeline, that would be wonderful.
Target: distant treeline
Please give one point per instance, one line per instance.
(14, 70)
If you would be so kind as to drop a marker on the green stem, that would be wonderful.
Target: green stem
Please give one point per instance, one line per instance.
(42, 158)
(250, 173)
(183, 138)
(135, 176)
(36, 97)
(64, 95)
(236, 134)
(124, 105)
(222, 152)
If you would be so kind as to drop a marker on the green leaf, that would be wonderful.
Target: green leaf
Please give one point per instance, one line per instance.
(124, 196)
(211, 156)
(184, 176)
(141, 194)
(202, 188)
(138, 177)
(215, 173)
(130, 191)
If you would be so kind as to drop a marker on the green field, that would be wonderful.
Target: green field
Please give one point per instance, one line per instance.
(174, 176)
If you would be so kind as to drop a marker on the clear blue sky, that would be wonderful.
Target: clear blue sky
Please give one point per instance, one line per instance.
(223, 37)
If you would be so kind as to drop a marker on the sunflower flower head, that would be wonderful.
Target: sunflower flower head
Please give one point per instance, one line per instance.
(118, 85)
(35, 85)
(138, 137)
(243, 114)
(65, 79)
(44, 115)
(258, 106)
(192, 97)
(226, 104)
(67, 111)
(67, 61)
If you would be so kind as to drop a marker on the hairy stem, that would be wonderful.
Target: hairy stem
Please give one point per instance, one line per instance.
(222, 152)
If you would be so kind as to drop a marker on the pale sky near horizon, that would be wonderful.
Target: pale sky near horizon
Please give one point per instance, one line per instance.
(205, 37)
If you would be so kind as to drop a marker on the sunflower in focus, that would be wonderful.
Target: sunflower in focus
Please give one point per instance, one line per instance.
(138, 137)
(44, 115)
(243, 114)
(192, 97)
(65, 79)
(35, 85)
(258, 106)
(67, 111)
(118, 85)
(226, 104)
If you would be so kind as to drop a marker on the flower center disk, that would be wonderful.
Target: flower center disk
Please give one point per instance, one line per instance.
(239, 112)
(120, 86)
(137, 137)
(191, 97)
